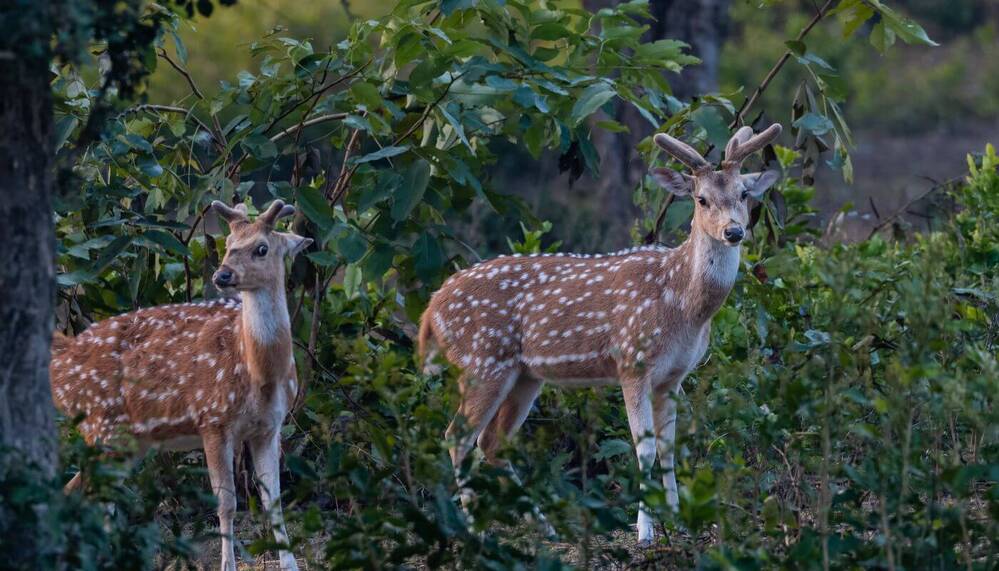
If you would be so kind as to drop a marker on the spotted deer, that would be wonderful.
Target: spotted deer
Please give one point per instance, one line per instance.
(639, 318)
(210, 375)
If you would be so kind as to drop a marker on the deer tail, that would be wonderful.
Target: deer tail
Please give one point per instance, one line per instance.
(426, 345)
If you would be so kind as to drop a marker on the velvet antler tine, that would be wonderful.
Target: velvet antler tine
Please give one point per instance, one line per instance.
(681, 151)
(739, 138)
(231, 215)
(742, 150)
(273, 212)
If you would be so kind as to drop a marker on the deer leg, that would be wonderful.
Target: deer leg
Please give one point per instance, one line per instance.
(266, 454)
(509, 418)
(638, 403)
(481, 396)
(664, 406)
(219, 456)
(75, 484)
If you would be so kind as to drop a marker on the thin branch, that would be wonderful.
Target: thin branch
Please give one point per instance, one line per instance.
(187, 75)
(308, 123)
(342, 178)
(653, 234)
(777, 66)
(188, 114)
(905, 207)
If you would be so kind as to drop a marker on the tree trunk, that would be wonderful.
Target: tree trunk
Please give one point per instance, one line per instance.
(704, 25)
(27, 272)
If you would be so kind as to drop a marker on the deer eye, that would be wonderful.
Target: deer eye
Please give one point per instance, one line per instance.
(260, 251)
(745, 194)
(702, 201)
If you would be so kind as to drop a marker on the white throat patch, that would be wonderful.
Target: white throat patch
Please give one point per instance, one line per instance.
(265, 314)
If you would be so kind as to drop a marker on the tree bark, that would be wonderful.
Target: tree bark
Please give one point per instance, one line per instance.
(704, 25)
(27, 251)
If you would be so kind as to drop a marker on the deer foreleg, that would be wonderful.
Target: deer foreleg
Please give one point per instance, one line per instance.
(266, 454)
(638, 402)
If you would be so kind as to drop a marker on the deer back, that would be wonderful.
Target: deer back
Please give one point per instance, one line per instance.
(158, 373)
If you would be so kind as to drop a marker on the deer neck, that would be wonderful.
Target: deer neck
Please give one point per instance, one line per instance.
(713, 267)
(266, 333)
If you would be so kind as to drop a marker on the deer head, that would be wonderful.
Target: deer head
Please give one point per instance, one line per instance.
(720, 196)
(255, 252)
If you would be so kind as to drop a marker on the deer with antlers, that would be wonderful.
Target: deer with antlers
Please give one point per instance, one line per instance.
(210, 375)
(640, 318)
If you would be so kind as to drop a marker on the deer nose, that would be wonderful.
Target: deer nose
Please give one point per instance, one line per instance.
(224, 277)
(734, 234)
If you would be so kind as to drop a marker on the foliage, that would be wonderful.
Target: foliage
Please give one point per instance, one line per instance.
(844, 419)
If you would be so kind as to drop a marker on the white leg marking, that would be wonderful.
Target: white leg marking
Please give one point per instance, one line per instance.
(638, 402)
(266, 454)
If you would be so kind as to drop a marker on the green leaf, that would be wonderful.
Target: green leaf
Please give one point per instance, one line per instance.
(383, 153)
(324, 258)
(351, 244)
(449, 7)
(63, 129)
(814, 123)
(797, 47)
(882, 38)
(366, 94)
(428, 256)
(315, 207)
(909, 31)
(378, 261)
(167, 241)
(612, 448)
(107, 256)
(352, 280)
(449, 112)
(149, 166)
(710, 119)
(411, 191)
(590, 100)
(259, 147)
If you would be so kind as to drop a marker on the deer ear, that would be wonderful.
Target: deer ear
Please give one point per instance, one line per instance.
(678, 183)
(295, 243)
(756, 183)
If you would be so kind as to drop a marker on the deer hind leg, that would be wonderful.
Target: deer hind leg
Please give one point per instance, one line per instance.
(219, 456)
(664, 405)
(638, 402)
(481, 396)
(266, 453)
(509, 418)
(75, 484)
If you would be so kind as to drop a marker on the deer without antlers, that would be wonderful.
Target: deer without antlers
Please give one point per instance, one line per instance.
(207, 375)
(640, 318)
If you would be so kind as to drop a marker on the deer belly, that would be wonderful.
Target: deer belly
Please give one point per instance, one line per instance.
(179, 443)
(581, 382)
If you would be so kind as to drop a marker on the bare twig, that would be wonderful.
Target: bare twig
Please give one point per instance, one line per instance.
(308, 123)
(190, 80)
(653, 234)
(905, 207)
(821, 13)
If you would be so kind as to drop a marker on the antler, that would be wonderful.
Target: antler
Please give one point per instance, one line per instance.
(681, 151)
(277, 210)
(232, 215)
(744, 143)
